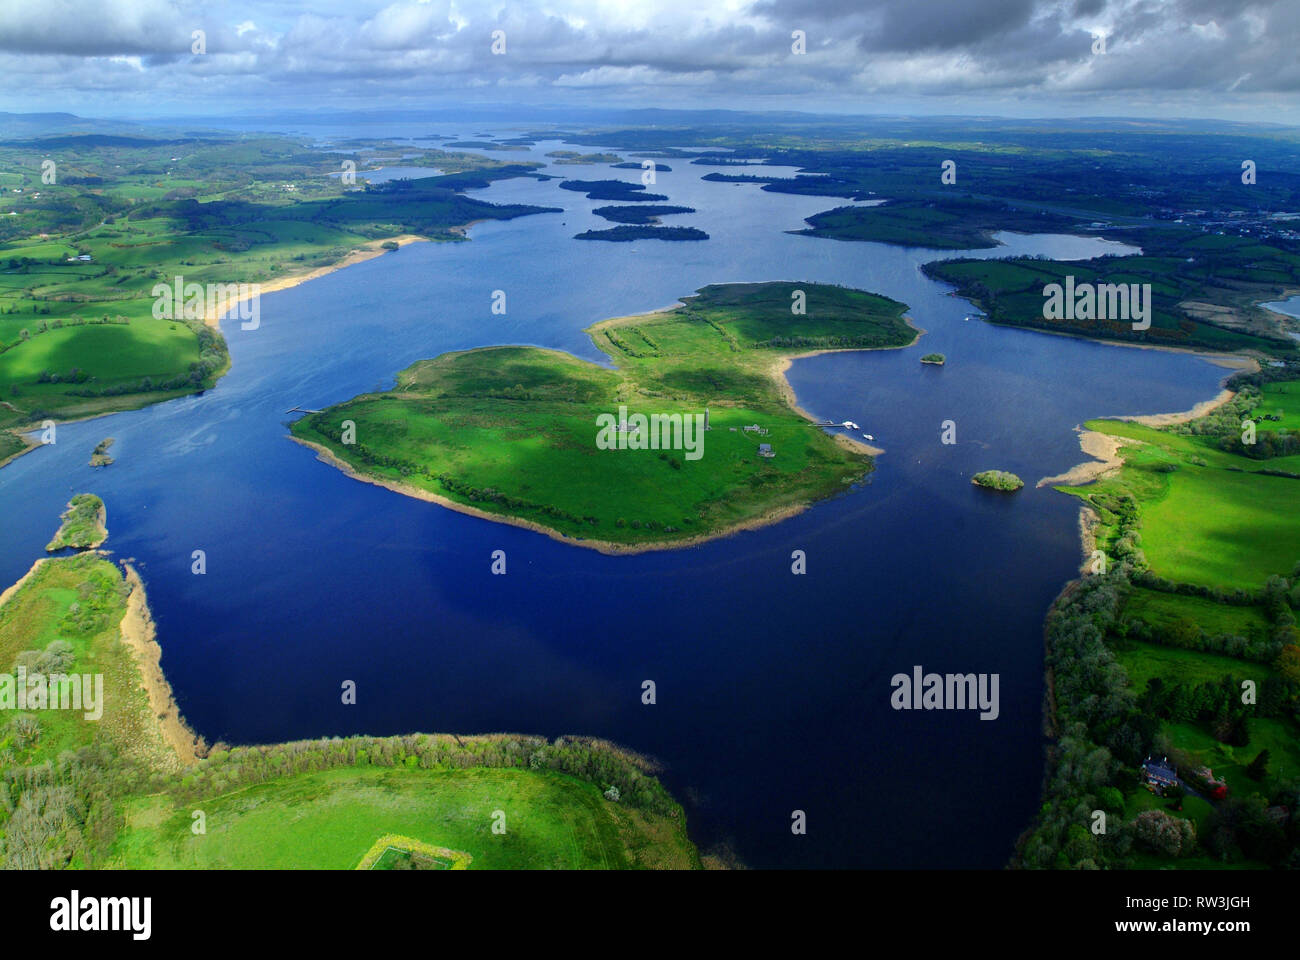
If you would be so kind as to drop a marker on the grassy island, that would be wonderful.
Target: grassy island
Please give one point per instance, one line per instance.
(997, 480)
(112, 777)
(938, 359)
(84, 524)
(512, 433)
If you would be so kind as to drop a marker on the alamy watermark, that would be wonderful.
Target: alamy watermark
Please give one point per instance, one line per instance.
(196, 301)
(658, 431)
(946, 691)
(1129, 302)
(56, 691)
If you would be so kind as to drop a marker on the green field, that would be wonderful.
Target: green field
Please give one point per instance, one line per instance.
(79, 337)
(1196, 655)
(329, 820)
(1167, 609)
(1142, 661)
(512, 431)
(1203, 521)
(1282, 398)
(1230, 762)
(65, 619)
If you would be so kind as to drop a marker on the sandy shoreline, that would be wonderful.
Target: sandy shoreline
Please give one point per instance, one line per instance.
(138, 633)
(28, 446)
(1200, 410)
(11, 590)
(213, 319)
(326, 455)
(1104, 448)
(368, 251)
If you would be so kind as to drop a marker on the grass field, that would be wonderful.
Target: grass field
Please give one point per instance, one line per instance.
(1230, 763)
(68, 613)
(1282, 398)
(1203, 522)
(79, 259)
(1204, 515)
(512, 431)
(1142, 661)
(329, 820)
(1166, 609)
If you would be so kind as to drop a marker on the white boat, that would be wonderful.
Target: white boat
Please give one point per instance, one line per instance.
(849, 424)
(867, 436)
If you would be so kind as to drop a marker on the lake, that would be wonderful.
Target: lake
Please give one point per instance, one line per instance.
(773, 689)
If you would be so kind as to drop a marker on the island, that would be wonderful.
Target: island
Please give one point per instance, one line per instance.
(650, 213)
(693, 434)
(997, 480)
(937, 359)
(616, 190)
(573, 156)
(84, 524)
(99, 456)
(625, 233)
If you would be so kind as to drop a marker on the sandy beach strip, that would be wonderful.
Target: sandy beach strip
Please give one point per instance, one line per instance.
(368, 251)
(10, 591)
(1103, 448)
(139, 634)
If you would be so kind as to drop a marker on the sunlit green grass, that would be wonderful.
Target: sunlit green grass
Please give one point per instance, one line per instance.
(330, 819)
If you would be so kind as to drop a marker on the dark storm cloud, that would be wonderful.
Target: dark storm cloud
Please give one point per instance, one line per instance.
(1025, 49)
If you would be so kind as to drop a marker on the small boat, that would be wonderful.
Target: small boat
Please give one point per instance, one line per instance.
(849, 425)
(867, 436)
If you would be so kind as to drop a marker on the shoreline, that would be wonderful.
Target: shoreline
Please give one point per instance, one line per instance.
(776, 371)
(367, 251)
(28, 446)
(607, 547)
(778, 368)
(12, 589)
(138, 632)
(1104, 448)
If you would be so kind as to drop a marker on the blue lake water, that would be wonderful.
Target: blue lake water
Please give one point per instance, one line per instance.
(773, 689)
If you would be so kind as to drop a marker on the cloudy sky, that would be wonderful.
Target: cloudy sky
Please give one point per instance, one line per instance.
(1233, 59)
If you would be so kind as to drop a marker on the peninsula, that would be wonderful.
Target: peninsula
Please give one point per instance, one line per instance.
(693, 435)
(108, 738)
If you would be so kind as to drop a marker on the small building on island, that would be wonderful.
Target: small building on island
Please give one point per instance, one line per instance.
(765, 450)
